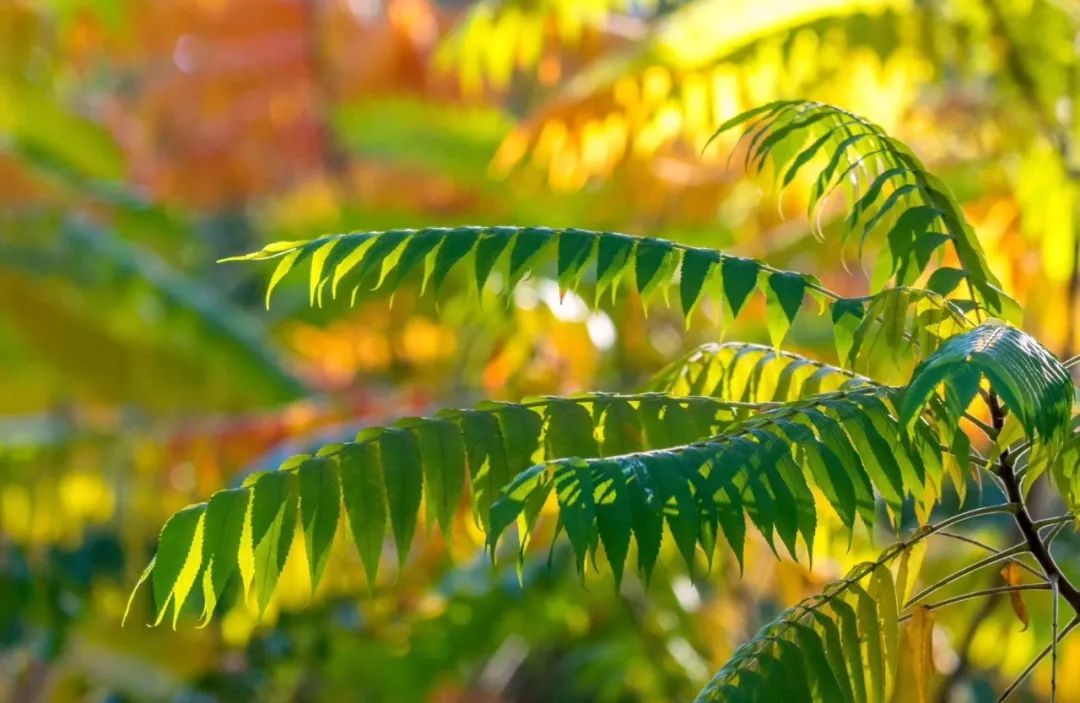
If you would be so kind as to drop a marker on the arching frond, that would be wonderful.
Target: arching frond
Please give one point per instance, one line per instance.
(894, 198)
(896, 323)
(848, 444)
(381, 479)
(1033, 384)
(366, 261)
(841, 645)
(751, 372)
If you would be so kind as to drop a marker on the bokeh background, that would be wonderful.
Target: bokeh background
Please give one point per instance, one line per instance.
(142, 140)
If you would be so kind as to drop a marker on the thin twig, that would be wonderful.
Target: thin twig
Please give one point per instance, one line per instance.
(984, 592)
(1059, 520)
(1058, 529)
(970, 568)
(1038, 658)
(987, 547)
(1053, 639)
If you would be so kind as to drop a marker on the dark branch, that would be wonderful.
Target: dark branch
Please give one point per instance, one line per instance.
(1026, 525)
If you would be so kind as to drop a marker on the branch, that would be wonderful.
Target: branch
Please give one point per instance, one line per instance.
(1023, 519)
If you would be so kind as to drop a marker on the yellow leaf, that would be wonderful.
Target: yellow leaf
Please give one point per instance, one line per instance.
(910, 564)
(1011, 574)
(920, 643)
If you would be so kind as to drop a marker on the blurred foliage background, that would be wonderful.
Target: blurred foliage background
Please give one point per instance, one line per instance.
(141, 141)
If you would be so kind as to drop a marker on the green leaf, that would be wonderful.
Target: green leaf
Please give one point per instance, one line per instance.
(520, 428)
(847, 314)
(646, 509)
(621, 428)
(442, 456)
(175, 546)
(613, 253)
(575, 248)
(813, 654)
(489, 248)
(417, 249)
(883, 592)
(320, 507)
(1033, 384)
(696, 265)
(272, 548)
(285, 264)
(834, 654)
(650, 263)
(902, 191)
(945, 280)
(368, 272)
(680, 510)
(318, 260)
(455, 245)
(487, 460)
(530, 241)
(530, 487)
(852, 647)
(569, 430)
(614, 516)
(870, 632)
(740, 279)
(783, 298)
(399, 455)
(363, 490)
(222, 528)
(574, 490)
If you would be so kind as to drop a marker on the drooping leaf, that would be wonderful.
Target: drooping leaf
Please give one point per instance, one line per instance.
(442, 454)
(223, 526)
(1011, 573)
(740, 279)
(784, 296)
(320, 507)
(363, 490)
(399, 455)
(176, 545)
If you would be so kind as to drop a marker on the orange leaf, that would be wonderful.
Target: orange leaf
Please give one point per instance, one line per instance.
(1011, 574)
